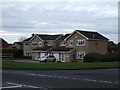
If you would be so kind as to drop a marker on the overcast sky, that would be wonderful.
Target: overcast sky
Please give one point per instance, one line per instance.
(23, 19)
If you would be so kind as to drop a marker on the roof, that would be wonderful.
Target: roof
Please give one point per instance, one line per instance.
(92, 35)
(20, 43)
(42, 48)
(63, 37)
(2, 40)
(48, 37)
(63, 48)
(27, 39)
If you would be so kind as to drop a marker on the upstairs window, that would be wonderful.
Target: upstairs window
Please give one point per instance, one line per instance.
(70, 42)
(50, 43)
(26, 44)
(63, 43)
(40, 44)
(34, 44)
(80, 42)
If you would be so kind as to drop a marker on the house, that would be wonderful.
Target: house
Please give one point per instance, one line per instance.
(66, 48)
(17, 45)
(3, 43)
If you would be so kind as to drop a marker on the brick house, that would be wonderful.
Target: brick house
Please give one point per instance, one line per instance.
(3, 43)
(16, 45)
(68, 47)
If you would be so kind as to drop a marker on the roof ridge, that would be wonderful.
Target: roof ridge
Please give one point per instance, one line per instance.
(86, 31)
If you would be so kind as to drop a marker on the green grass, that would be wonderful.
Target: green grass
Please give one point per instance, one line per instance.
(60, 65)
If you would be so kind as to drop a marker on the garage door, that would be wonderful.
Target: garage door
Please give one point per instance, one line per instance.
(57, 56)
(42, 54)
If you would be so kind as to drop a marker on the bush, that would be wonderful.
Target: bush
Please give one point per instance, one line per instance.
(111, 57)
(17, 53)
(96, 57)
(93, 57)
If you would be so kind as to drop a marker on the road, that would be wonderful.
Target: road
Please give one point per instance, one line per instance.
(50, 79)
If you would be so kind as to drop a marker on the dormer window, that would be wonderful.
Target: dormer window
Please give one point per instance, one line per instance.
(70, 42)
(80, 42)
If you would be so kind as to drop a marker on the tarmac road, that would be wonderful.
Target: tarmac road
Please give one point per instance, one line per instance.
(51, 79)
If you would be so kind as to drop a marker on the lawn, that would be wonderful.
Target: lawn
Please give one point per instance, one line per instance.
(60, 65)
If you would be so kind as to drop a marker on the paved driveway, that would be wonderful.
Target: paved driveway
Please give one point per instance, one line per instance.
(21, 61)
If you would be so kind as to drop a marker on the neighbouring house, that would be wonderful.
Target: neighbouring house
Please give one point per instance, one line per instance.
(3, 43)
(66, 48)
(16, 45)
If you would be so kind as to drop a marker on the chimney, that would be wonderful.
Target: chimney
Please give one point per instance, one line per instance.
(32, 34)
(93, 35)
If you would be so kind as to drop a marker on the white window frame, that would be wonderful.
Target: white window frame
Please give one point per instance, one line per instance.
(70, 42)
(40, 44)
(63, 43)
(50, 43)
(26, 45)
(79, 42)
(34, 45)
(80, 54)
(25, 53)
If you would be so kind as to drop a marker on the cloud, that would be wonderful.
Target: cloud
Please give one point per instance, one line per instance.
(57, 17)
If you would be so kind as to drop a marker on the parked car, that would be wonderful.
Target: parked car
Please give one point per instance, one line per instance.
(48, 58)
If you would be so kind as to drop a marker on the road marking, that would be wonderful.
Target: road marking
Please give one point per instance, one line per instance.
(20, 85)
(50, 76)
(32, 74)
(74, 78)
(16, 85)
(40, 75)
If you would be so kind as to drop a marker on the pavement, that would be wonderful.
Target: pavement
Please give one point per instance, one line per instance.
(54, 79)
(21, 61)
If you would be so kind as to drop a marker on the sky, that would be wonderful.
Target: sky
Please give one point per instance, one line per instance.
(21, 19)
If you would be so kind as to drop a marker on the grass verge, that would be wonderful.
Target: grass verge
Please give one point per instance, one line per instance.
(60, 65)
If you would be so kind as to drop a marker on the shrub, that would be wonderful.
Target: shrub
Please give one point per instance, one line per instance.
(93, 57)
(111, 57)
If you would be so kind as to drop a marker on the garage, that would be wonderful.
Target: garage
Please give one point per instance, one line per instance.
(42, 54)
(56, 55)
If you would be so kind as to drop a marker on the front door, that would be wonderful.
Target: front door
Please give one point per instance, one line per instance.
(62, 57)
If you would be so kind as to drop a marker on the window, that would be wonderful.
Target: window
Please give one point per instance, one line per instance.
(50, 43)
(40, 43)
(26, 53)
(80, 54)
(34, 43)
(63, 43)
(26, 44)
(70, 42)
(80, 42)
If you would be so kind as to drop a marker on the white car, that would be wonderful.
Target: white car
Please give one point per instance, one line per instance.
(48, 58)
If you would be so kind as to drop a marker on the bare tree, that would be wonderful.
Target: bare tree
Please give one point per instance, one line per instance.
(22, 39)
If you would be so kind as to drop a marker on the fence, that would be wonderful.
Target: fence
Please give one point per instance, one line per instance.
(6, 55)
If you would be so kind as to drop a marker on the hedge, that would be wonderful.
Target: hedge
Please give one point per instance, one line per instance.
(17, 53)
(96, 57)
(93, 57)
